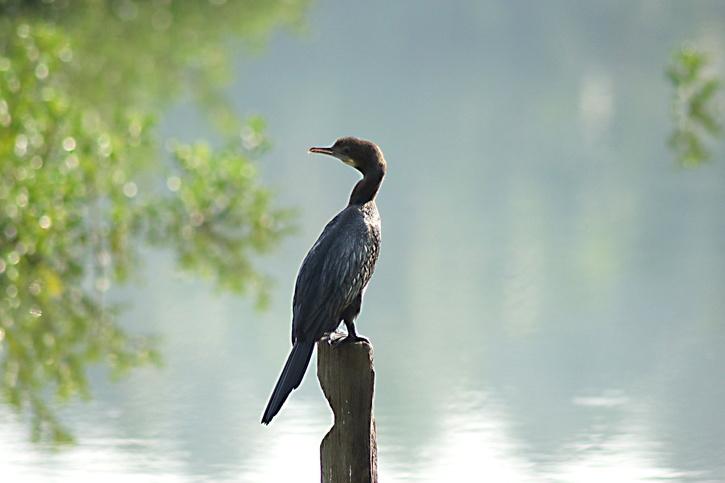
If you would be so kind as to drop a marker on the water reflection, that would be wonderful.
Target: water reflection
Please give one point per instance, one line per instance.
(82, 186)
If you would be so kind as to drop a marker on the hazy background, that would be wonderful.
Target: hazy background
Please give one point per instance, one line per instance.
(549, 302)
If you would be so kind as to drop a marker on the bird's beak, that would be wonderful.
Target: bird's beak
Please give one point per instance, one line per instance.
(327, 151)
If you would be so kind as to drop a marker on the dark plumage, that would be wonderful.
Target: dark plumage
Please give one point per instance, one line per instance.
(336, 270)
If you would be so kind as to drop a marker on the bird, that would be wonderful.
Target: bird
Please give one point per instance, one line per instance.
(335, 272)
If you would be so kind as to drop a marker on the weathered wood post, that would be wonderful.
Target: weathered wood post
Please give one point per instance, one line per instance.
(348, 453)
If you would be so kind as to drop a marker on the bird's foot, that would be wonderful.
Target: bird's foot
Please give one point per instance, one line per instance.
(335, 337)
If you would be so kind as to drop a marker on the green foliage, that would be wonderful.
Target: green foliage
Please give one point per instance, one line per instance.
(82, 182)
(694, 106)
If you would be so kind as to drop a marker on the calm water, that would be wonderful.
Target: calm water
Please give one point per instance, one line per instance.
(549, 302)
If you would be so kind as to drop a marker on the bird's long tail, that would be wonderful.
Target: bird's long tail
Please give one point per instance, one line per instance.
(290, 378)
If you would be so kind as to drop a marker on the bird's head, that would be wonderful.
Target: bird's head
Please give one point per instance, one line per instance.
(365, 156)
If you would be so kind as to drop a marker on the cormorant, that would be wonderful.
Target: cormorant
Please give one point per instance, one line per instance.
(336, 270)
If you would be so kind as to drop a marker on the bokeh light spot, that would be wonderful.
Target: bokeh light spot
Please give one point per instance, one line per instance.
(173, 183)
(130, 189)
(69, 144)
(45, 222)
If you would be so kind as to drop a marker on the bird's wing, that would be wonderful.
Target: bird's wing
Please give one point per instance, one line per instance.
(332, 274)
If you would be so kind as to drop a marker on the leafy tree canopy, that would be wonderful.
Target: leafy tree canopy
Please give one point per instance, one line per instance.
(83, 182)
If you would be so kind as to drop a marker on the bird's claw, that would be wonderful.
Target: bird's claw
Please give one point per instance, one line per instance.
(334, 338)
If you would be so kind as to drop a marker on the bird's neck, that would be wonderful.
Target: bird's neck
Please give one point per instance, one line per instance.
(366, 189)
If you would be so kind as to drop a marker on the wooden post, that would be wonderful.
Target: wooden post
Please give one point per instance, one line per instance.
(348, 453)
